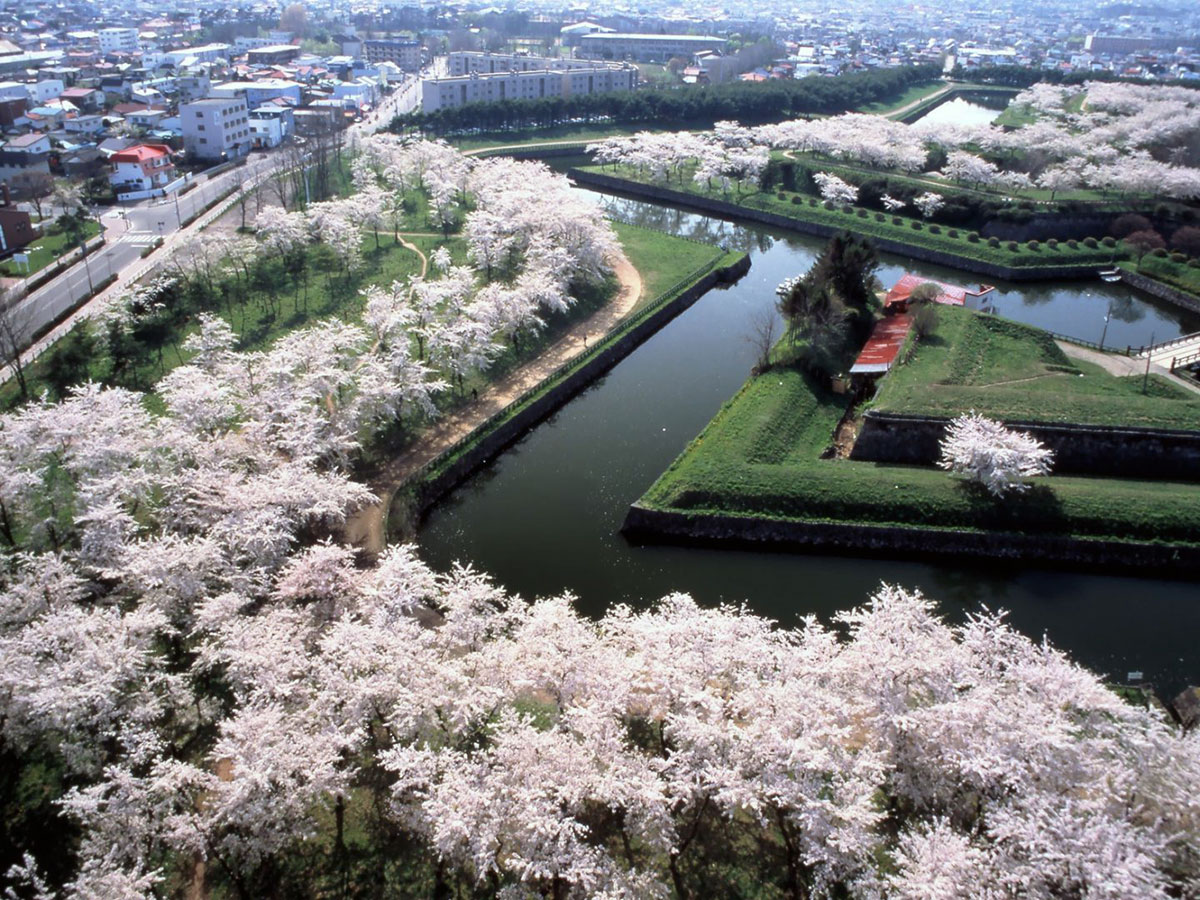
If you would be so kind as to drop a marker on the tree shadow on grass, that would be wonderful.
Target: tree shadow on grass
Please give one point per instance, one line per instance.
(1034, 510)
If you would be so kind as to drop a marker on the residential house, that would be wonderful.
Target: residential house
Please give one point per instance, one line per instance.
(85, 98)
(88, 123)
(16, 229)
(142, 167)
(271, 125)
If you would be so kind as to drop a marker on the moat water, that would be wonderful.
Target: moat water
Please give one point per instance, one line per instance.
(544, 518)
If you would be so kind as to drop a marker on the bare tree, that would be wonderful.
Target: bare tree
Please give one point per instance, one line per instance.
(16, 332)
(762, 336)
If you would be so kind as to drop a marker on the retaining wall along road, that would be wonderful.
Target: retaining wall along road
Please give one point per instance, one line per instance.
(1122, 451)
(734, 211)
(668, 526)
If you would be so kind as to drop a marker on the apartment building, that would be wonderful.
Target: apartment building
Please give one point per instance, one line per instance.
(216, 128)
(437, 93)
(405, 54)
(118, 40)
(466, 62)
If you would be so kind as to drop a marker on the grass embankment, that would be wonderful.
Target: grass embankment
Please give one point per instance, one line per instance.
(1178, 275)
(760, 458)
(1015, 372)
(45, 250)
(911, 94)
(585, 133)
(902, 229)
(663, 260)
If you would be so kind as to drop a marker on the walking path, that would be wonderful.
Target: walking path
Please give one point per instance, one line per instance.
(908, 107)
(1116, 364)
(365, 528)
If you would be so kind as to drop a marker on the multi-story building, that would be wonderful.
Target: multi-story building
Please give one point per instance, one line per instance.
(118, 40)
(256, 93)
(142, 167)
(216, 128)
(646, 47)
(405, 54)
(271, 125)
(272, 54)
(465, 62)
(437, 93)
(1126, 43)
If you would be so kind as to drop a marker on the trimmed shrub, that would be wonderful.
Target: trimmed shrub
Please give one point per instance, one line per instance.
(781, 195)
(862, 213)
(1013, 247)
(880, 217)
(896, 220)
(973, 238)
(1033, 245)
(1052, 244)
(916, 226)
(934, 229)
(953, 232)
(812, 201)
(1159, 252)
(1073, 244)
(1178, 257)
(1194, 263)
(797, 199)
(828, 204)
(1110, 242)
(1091, 243)
(993, 242)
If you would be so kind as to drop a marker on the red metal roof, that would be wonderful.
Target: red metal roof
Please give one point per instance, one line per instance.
(881, 347)
(141, 153)
(951, 295)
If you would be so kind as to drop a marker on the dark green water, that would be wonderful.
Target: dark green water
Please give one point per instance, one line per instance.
(544, 518)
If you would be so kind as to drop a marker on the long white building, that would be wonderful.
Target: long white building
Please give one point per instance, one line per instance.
(646, 47)
(437, 93)
(465, 62)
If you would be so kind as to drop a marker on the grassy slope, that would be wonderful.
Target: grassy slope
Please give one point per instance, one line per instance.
(45, 250)
(910, 95)
(1015, 372)
(660, 258)
(807, 208)
(760, 457)
(1178, 275)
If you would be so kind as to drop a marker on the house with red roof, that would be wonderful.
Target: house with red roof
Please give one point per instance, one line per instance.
(141, 167)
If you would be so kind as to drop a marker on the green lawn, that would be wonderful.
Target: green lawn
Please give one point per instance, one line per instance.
(1016, 372)
(1177, 274)
(45, 250)
(660, 258)
(760, 457)
(911, 95)
(905, 229)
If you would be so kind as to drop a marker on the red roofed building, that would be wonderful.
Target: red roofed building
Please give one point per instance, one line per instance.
(951, 294)
(142, 167)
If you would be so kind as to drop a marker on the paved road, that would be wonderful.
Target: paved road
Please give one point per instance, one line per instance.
(129, 231)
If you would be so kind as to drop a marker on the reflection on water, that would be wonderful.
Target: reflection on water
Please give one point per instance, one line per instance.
(544, 518)
(980, 109)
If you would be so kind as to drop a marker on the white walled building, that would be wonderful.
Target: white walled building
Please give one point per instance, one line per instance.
(271, 125)
(216, 128)
(142, 167)
(465, 62)
(113, 40)
(646, 47)
(437, 93)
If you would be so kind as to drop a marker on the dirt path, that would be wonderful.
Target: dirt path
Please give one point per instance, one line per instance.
(1116, 364)
(365, 528)
(896, 113)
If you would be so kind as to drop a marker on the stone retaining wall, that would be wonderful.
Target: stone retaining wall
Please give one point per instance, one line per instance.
(734, 211)
(1161, 291)
(509, 431)
(651, 525)
(1084, 449)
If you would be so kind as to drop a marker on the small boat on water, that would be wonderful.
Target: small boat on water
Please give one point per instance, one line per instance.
(1110, 274)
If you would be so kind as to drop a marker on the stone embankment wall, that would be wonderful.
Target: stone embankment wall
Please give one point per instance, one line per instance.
(1160, 290)
(1083, 449)
(494, 437)
(643, 524)
(734, 211)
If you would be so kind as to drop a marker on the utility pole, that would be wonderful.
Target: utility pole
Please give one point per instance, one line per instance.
(1149, 353)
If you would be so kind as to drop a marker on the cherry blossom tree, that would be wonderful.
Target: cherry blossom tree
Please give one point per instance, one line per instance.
(834, 189)
(991, 455)
(929, 203)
